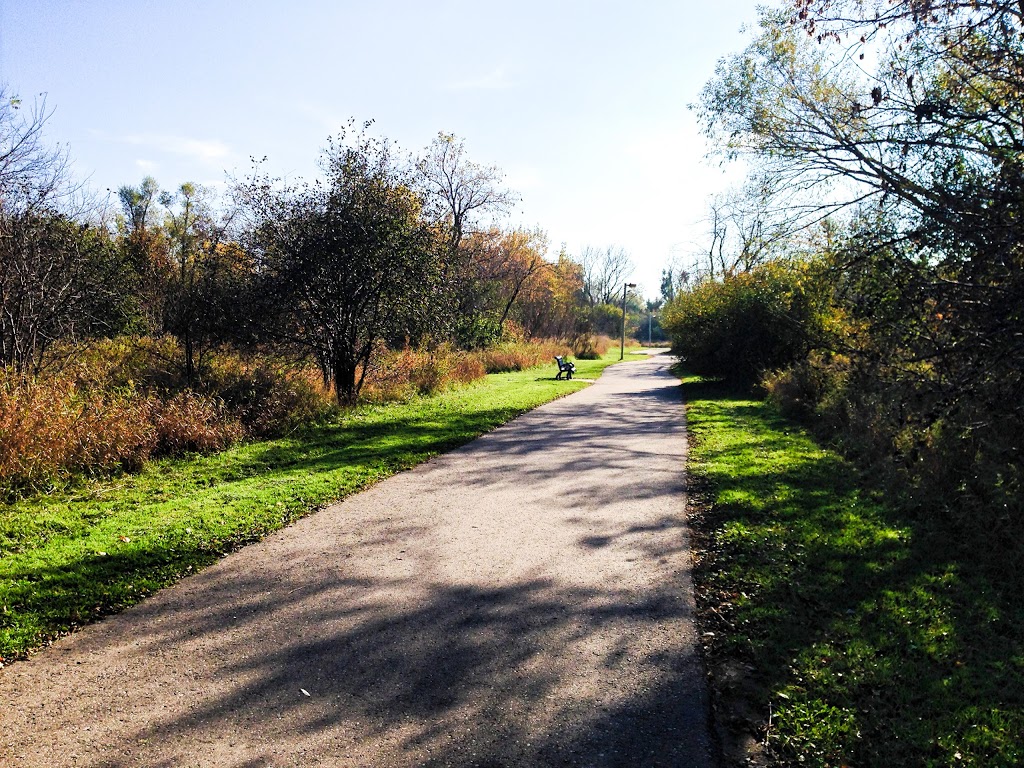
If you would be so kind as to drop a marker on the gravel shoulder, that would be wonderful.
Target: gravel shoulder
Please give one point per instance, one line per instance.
(522, 601)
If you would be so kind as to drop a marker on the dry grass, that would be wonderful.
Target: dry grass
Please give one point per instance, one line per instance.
(122, 402)
(592, 347)
(519, 357)
(53, 429)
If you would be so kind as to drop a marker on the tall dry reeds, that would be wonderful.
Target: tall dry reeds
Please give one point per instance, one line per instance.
(124, 401)
(53, 429)
(121, 402)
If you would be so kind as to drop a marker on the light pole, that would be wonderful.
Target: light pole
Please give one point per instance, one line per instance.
(650, 319)
(622, 346)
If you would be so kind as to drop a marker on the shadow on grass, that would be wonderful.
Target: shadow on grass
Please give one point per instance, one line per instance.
(48, 592)
(876, 636)
(369, 663)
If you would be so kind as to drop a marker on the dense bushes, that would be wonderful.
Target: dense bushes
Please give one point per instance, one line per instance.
(871, 366)
(55, 428)
(750, 323)
(589, 347)
(124, 401)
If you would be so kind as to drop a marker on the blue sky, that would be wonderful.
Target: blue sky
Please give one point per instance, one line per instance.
(582, 104)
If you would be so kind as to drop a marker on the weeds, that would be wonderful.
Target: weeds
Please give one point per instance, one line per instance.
(870, 634)
(78, 553)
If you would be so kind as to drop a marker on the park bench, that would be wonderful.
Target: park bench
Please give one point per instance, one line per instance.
(563, 367)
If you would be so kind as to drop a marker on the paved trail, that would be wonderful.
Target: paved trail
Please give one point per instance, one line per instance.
(522, 601)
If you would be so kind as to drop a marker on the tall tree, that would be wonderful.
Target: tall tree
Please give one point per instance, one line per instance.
(349, 262)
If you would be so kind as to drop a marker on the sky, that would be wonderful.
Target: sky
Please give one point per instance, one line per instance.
(582, 104)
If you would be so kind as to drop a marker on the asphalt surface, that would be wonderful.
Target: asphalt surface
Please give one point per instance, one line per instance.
(523, 601)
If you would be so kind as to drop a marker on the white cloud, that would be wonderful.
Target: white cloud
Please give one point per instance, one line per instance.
(209, 151)
(495, 80)
(523, 178)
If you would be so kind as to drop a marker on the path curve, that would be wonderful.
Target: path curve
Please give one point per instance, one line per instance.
(522, 601)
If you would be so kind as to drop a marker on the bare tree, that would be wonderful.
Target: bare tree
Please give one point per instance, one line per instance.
(458, 191)
(57, 274)
(750, 225)
(32, 174)
(604, 272)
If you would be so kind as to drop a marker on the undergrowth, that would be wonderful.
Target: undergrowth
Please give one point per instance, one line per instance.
(75, 554)
(841, 629)
(121, 403)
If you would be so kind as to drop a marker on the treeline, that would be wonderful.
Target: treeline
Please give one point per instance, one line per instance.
(870, 275)
(183, 319)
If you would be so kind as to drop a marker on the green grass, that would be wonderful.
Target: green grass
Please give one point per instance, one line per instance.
(71, 557)
(864, 635)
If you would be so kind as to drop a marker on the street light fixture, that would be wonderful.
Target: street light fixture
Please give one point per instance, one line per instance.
(622, 346)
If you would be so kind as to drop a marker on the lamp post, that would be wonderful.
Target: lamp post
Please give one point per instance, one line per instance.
(622, 346)
(650, 320)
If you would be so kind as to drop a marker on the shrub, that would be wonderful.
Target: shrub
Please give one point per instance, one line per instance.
(520, 356)
(269, 397)
(405, 373)
(587, 347)
(120, 402)
(750, 323)
(193, 422)
(50, 430)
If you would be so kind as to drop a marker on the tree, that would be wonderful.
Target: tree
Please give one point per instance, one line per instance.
(458, 191)
(604, 272)
(552, 304)
(59, 277)
(459, 196)
(197, 253)
(145, 248)
(350, 263)
(501, 265)
(32, 174)
(748, 226)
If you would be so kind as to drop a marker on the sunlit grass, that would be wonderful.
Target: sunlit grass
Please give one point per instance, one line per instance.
(876, 638)
(70, 557)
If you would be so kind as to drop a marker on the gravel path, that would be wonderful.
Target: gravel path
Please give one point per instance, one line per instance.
(522, 601)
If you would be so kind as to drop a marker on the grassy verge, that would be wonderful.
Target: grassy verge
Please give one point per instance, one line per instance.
(69, 558)
(840, 630)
